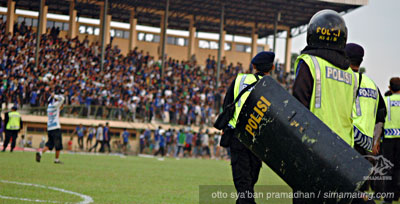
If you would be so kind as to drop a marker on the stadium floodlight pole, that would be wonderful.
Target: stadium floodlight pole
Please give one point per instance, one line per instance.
(39, 32)
(220, 45)
(103, 35)
(277, 18)
(164, 40)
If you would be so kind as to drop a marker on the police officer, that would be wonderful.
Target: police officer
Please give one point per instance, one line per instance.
(13, 124)
(245, 165)
(391, 141)
(369, 110)
(324, 82)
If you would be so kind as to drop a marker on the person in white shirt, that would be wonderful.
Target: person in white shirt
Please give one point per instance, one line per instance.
(99, 137)
(53, 127)
(205, 145)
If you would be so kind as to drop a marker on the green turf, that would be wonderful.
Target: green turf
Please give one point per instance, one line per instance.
(114, 179)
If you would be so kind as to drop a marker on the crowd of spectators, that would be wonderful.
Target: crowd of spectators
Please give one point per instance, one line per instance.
(178, 143)
(284, 78)
(182, 143)
(129, 88)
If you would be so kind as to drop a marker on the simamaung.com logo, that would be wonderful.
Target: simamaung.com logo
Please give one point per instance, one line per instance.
(381, 168)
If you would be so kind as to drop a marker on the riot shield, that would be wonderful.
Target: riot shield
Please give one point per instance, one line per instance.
(298, 146)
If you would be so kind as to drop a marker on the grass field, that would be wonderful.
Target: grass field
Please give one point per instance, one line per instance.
(114, 179)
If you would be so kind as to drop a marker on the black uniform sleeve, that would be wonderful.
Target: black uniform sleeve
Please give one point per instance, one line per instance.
(20, 123)
(381, 112)
(229, 96)
(228, 132)
(5, 120)
(303, 85)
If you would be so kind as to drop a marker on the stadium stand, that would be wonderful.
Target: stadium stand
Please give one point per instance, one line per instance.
(130, 88)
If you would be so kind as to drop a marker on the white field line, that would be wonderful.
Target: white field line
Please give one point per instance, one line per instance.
(86, 199)
(29, 200)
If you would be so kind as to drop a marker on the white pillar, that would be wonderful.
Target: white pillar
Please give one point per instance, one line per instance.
(254, 38)
(10, 16)
(191, 41)
(132, 31)
(288, 51)
(72, 20)
(44, 20)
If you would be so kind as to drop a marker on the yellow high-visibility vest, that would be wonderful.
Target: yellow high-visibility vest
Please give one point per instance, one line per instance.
(241, 81)
(333, 95)
(14, 119)
(364, 113)
(392, 123)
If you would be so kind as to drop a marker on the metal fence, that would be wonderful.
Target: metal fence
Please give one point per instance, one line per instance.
(124, 114)
(93, 112)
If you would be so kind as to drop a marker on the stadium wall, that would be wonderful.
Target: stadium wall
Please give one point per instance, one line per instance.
(35, 126)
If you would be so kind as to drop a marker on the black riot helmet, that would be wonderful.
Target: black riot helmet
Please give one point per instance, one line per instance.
(327, 29)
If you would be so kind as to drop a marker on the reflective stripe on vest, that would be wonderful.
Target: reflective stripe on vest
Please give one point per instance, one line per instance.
(14, 119)
(241, 81)
(241, 87)
(355, 88)
(392, 131)
(358, 107)
(392, 123)
(362, 140)
(388, 107)
(333, 95)
(318, 82)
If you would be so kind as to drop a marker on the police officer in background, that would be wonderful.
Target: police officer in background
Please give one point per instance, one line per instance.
(391, 141)
(245, 165)
(369, 109)
(13, 124)
(324, 82)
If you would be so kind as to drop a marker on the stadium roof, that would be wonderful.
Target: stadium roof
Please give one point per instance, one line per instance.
(240, 15)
